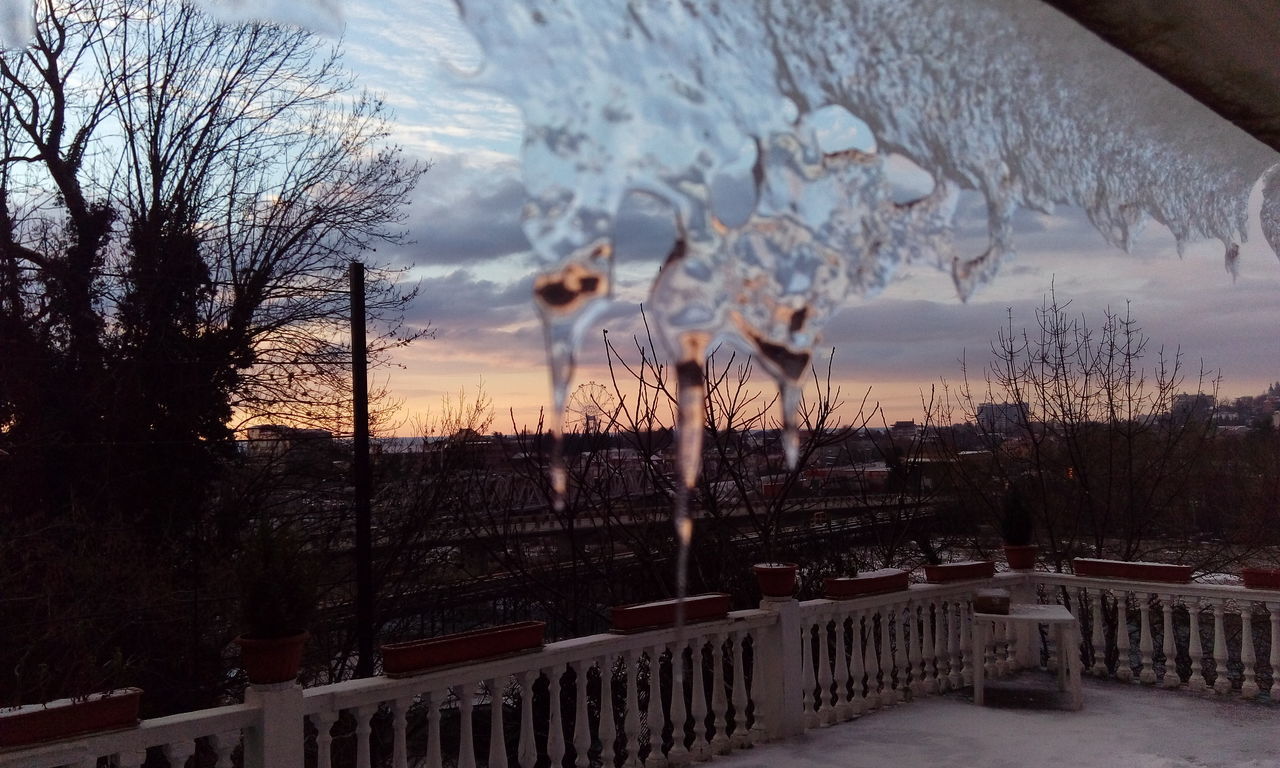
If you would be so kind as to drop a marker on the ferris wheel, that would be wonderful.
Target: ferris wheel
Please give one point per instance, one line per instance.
(592, 408)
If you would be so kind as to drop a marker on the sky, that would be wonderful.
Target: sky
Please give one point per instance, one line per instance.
(476, 270)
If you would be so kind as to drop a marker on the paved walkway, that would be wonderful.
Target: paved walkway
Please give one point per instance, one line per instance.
(1121, 726)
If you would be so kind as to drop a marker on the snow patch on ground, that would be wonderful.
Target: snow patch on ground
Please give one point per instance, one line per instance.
(1121, 726)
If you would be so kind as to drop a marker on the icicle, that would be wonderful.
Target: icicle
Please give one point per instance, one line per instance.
(790, 396)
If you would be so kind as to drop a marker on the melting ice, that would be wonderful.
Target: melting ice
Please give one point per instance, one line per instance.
(816, 107)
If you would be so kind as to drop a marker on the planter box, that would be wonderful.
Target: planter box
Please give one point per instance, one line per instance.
(1131, 570)
(634, 618)
(420, 655)
(33, 723)
(776, 579)
(966, 571)
(869, 583)
(1261, 578)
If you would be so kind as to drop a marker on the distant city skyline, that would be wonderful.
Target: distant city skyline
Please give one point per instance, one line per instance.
(476, 268)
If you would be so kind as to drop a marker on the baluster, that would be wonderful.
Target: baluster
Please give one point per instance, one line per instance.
(888, 696)
(857, 662)
(806, 664)
(364, 729)
(433, 701)
(1274, 608)
(826, 698)
(1148, 673)
(178, 753)
(1124, 669)
(631, 718)
(1097, 635)
(653, 716)
(844, 707)
(955, 679)
(1249, 688)
(679, 753)
(928, 654)
(698, 703)
(1221, 683)
(323, 722)
(466, 738)
(1169, 677)
(741, 736)
(133, 758)
(497, 731)
(1194, 648)
(965, 630)
(988, 651)
(719, 706)
(1002, 648)
(911, 635)
(400, 728)
(527, 749)
(581, 723)
(608, 728)
(222, 744)
(555, 722)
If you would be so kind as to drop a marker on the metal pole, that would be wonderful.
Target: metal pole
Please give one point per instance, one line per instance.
(360, 475)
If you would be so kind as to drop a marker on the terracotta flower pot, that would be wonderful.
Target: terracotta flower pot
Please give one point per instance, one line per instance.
(269, 660)
(776, 579)
(33, 723)
(966, 571)
(1021, 557)
(869, 583)
(420, 655)
(1261, 578)
(1134, 571)
(633, 618)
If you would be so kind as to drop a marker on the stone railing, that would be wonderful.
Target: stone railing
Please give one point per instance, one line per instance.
(1210, 637)
(215, 732)
(757, 675)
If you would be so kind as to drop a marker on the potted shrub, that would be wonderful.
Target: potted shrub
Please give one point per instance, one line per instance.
(414, 656)
(278, 595)
(1017, 528)
(642, 616)
(866, 583)
(776, 579)
(1132, 570)
(110, 709)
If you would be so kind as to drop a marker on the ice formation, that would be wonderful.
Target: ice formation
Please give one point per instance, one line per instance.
(670, 97)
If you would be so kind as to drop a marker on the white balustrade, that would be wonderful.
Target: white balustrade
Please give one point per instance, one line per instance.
(731, 683)
(1224, 667)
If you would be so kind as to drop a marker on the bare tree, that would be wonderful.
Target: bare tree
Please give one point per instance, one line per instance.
(1093, 423)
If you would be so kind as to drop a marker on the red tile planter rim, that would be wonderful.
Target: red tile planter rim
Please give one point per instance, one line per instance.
(415, 656)
(639, 617)
(1169, 573)
(33, 724)
(966, 571)
(871, 583)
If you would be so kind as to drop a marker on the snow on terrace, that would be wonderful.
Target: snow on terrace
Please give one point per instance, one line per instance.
(1121, 726)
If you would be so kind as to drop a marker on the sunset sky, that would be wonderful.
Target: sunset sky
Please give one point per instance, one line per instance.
(476, 269)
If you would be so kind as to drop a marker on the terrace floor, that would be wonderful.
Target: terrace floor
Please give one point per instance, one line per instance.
(1121, 726)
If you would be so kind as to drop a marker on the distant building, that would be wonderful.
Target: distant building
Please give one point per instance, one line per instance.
(1003, 418)
(1192, 407)
(904, 431)
(272, 440)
